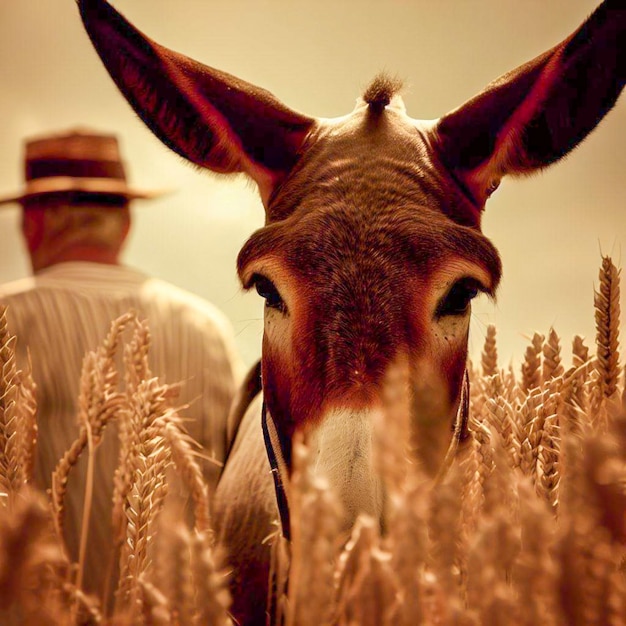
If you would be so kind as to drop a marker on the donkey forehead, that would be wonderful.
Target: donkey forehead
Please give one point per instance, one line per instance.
(373, 159)
(369, 198)
(343, 240)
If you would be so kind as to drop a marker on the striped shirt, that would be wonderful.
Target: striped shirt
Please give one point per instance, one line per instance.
(65, 311)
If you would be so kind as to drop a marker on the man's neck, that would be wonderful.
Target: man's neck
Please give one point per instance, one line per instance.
(87, 253)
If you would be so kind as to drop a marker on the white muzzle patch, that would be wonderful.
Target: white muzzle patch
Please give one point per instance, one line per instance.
(341, 450)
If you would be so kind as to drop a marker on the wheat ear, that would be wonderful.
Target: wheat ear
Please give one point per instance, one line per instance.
(548, 459)
(580, 355)
(607, 313)
(27, 421)
(98, 402)
(531, 367)
(552, 366)
(499, 414)
(148, 461)
(136, 370)
(11, 470)
(489, 357)
(580, 352)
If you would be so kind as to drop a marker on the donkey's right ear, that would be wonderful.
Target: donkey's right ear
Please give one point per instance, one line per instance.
(209, 117)
(539, 112)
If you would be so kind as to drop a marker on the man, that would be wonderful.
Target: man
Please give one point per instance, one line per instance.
(75, 220)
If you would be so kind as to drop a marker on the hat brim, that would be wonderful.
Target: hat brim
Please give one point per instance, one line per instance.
(60, 184)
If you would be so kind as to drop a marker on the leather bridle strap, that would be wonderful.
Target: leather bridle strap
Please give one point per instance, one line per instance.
(279, 469)
(461, 429)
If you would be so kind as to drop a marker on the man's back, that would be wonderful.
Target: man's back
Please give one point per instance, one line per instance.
(64, 312)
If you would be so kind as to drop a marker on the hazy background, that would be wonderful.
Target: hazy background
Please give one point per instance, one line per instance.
(317, 56)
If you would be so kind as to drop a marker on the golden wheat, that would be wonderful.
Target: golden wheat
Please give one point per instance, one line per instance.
(552, 367)
(489, 357)
(18, 430)
(607, 328)
(531, 368)
(526, 526)
(98, 402)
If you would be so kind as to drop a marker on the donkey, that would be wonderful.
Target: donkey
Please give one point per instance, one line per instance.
(370, 255)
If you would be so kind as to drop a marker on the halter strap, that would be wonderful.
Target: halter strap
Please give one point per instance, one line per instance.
(279, 469)
(461, 429)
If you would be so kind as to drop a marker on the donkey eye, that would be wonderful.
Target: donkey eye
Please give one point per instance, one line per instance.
(267, 290)
(457, 300)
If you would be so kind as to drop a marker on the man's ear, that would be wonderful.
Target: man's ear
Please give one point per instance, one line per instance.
(125, 225)
(32, 228)
(126, 221)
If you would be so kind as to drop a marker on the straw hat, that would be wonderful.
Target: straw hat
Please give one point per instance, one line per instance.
(76, 160)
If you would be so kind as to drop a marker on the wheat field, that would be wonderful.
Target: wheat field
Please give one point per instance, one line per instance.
(526, 526)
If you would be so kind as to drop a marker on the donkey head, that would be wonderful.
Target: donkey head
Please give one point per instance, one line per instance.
(372, 248)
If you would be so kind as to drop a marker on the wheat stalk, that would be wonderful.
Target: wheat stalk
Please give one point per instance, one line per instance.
(317, 533)
(156, 611)
(535, 573)
(365, 582)
(212, 597)
(409, 548)
(172, 574)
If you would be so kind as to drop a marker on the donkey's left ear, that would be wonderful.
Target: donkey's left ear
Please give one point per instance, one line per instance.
(534, 115)
(209, 117)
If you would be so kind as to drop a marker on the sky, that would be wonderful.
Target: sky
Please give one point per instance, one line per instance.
(317, 57)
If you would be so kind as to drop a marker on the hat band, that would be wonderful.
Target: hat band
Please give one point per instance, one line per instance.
(48, 168)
